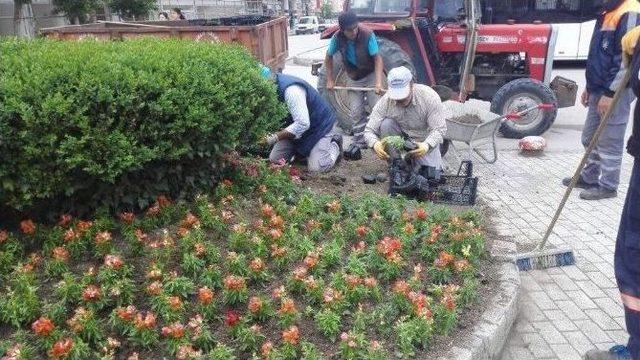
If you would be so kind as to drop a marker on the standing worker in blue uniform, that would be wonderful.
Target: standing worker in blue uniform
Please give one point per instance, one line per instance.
(364, 66)
(605, 70)
(627, 253)
(308, 132)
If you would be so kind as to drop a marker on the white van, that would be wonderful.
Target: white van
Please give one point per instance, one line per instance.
(307, 25)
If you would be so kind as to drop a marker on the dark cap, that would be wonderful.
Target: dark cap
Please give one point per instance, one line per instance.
(347, 20)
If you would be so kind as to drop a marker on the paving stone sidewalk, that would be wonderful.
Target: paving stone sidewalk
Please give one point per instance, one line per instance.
(564, 311)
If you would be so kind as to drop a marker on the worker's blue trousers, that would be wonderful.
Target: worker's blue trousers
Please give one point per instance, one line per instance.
(627, 261)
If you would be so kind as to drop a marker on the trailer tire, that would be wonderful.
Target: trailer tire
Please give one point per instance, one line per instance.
(518, 95)
(392, 56)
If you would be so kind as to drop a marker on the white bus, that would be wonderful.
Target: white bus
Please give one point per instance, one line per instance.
(574, 20)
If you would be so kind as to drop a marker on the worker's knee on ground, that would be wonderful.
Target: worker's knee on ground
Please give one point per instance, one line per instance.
(320, 164)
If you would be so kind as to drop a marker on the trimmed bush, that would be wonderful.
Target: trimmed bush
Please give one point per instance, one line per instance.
(113, 124)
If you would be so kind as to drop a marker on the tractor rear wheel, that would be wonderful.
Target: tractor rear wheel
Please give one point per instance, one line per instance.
(392, 56)
(518, 95)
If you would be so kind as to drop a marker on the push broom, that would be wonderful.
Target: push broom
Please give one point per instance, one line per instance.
(544, 259)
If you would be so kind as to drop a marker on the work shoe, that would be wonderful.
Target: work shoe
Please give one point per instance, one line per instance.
(598, 193)
(580, 184)
(618, 352)
(353, 153)
(337, 138)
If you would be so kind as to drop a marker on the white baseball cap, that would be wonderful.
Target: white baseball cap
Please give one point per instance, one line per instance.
(399, 81)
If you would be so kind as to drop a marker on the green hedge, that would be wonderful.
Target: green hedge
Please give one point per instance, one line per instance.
(93, 124)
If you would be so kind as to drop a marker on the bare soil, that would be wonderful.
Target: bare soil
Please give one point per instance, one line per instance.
(468, 119)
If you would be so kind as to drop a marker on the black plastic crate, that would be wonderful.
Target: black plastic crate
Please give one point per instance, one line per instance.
(460, 189)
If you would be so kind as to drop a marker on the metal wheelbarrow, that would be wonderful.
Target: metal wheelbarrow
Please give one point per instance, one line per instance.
(478, 136)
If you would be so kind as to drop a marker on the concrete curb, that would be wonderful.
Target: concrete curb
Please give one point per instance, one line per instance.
(489, 335)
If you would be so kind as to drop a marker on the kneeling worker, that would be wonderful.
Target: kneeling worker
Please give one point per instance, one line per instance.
(412, 111)
(308, 131)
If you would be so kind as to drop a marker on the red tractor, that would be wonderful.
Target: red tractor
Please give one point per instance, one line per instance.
(507, 64)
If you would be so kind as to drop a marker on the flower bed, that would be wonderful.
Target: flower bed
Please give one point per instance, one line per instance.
(257, 268)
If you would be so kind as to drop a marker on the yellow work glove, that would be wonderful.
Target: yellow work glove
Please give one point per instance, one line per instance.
(421, 151)
(378, 147)
(629, 41)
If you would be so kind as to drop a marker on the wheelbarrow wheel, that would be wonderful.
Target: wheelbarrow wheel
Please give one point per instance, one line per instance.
(521, 94)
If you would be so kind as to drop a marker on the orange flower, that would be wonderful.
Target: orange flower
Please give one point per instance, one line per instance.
(103, 237)
(291, 335)
(256, 265)
(205, 295)
(227, 216)
(312, 225)
(401, 287)
(127, 217)
(70, 235)
(62, 348)
(145, 322)
(420, 214)
(267, 211)
(174, 302)
(59, 253)
(28, 227)
(361, 245)
(76, 323)
(370, 282)
(186, 351)
(312, 259)
(409, 228)
(275, 234)
(126, 314)
(353, 281)
(333, 206)
(449, 302)
(265, 349)
(443, 260)
(154, 288)
(278, 292)
(84, 226)
(300, 273)
(310, 283)
(113, 262)
(141, 236)
(155, 273)
(287, 307)
(255, 304)
(362, 230)
(65, 219)
(190, 221)
(277, 251)
(461, 265)
(388, 246)
(233, 282)
(175, 330)
(43, 326)
(182, 232)
(276, 221)
(330, 295)
(435, 233)
(91, 293)
(199, 249)
(3, 236)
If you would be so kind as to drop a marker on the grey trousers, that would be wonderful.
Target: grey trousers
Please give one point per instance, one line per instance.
(321, 159)
(603, 165)
(357, 111)
(390, 127)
